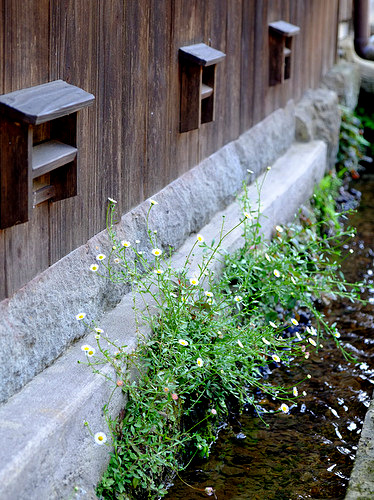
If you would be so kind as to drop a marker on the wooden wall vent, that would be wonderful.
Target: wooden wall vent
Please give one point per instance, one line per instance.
(38, 147)
(198, 74)
(280, 50)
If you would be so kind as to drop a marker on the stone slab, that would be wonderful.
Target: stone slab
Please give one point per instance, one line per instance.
(47, 452)
(318, 118)
(361, 482)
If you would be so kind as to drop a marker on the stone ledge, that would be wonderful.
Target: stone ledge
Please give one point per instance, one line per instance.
(46, 449)
(361, 482)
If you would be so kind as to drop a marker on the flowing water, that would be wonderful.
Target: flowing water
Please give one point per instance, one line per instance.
(309, 452)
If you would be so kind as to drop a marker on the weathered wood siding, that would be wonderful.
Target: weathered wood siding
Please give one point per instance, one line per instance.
(125, 52)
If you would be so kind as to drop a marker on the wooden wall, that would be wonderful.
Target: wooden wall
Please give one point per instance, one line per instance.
(125, 52)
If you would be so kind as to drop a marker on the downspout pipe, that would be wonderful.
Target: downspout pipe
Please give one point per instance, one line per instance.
(362, 45)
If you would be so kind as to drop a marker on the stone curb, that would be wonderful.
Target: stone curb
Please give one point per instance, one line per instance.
(47, 453)
(361, 482)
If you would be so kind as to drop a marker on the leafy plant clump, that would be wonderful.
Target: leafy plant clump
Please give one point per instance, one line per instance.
(352, 144)
(367, 121)
(213, 340)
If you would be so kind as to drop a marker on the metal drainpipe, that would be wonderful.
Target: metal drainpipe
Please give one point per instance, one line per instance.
(362, 30)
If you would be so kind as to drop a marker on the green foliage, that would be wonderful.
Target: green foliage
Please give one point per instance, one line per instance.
(324, 204)
(352, 144)
(213, 339)
(367, 121)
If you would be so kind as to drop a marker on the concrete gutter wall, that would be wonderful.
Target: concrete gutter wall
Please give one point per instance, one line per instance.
(46, 449)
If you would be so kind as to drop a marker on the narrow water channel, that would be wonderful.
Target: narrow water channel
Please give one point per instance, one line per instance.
(309, 452)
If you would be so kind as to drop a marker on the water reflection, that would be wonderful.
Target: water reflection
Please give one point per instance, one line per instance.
(309, 452)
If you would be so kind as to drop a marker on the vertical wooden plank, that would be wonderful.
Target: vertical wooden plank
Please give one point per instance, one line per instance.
(211, 135)
(2, 41)
(233, 70)
(25, 43)
(271, 93)
(135, 84)
(306, 61)
(74, 39)
(247, 66)
(296, 9)
(333, 42)
(186, 29)
(261, 51)
(25, 60)
(109, 131)
(286, 89)
(157, 169)
(3, 279)
(26, 249)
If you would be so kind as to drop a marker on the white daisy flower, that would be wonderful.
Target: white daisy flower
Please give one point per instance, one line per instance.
(100, 438)
(199, 362)
(125, 243)
(240, 344)
(156, 252)
(153, 202)
(112, 201)
(183, 342)
(80, 316)
(94, 268)
(200, 238)
(276, 273)
(295, 391)
(194, 281)
(276, 358)
(101, 256)
(294, 321)
(284, 408)
(238, 298)
(265, 341)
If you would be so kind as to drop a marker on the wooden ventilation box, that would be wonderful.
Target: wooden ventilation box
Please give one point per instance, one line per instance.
(198, 74)
(280, 51)
(38, 147)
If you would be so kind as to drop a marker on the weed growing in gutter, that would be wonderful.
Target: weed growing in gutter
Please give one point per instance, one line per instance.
(212, 340)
